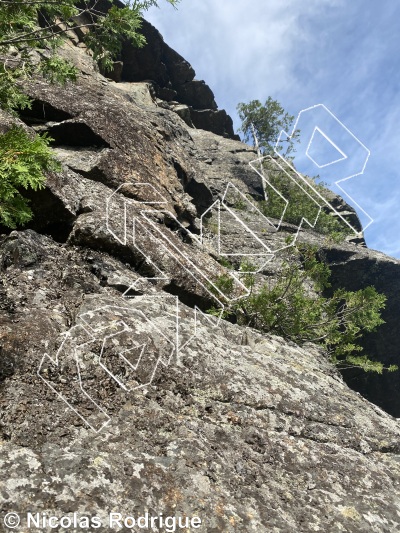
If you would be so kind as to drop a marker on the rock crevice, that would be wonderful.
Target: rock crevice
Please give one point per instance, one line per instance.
(117, 391)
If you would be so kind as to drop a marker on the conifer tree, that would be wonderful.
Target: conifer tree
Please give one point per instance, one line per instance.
(42, 26)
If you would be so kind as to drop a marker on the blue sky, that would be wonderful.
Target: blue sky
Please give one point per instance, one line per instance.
(343, 54)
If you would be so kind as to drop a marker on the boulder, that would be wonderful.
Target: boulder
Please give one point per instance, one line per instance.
(183, 111)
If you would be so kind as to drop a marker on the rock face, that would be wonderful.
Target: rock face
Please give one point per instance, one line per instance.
(247, 432)
(118, 394)
(171, 78)
(354, 271)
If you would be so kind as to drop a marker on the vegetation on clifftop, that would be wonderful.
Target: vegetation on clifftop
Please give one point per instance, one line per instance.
(30, 35)
(288, 197)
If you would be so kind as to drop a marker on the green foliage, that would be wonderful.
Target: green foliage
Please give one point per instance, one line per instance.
(42, 26)
(11, 97)
(20, 32)
(295, 200)
(224, 262)
(57, 70)
(105, 38)
(23, 161)
(266, 122)
(224, 284)
(19, 20)
(303, 203)
(15, 71)
(294, 307)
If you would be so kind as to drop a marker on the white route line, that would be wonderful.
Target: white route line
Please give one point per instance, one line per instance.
(143, 226)
(94, 335)
(344, 178)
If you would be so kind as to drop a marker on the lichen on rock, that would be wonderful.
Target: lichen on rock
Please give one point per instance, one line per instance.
(102, 326)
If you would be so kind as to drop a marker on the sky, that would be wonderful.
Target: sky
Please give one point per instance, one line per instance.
(342, 54)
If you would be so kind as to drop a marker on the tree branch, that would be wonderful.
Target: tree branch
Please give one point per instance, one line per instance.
(45, 36)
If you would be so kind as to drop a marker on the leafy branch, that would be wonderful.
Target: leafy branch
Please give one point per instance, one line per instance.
(41, 27)
(294, 306)
(23, 161)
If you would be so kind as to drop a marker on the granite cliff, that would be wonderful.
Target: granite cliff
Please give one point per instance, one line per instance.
(117, 394)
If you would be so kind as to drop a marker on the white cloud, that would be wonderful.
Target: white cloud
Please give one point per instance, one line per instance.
(333, 52)
(242, 49)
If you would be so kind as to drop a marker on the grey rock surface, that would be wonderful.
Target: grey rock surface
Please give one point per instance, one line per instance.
(173, 79)
(118, 395)
(246, 431)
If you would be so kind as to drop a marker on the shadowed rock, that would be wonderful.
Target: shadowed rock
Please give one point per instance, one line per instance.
(101, 328)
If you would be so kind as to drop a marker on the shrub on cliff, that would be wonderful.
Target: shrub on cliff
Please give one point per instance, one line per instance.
(262, 125)
(303, 203)
(295, 307)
